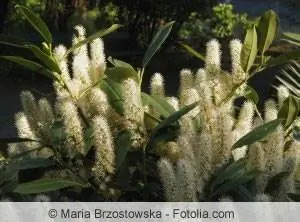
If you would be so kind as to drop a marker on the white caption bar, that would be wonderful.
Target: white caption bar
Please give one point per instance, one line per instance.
(135, 211)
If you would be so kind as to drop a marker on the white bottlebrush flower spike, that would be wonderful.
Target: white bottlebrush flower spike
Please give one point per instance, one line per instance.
(87, 119)
(157, 85)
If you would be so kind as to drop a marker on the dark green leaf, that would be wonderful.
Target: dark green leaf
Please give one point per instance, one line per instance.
(276, 183)
(267, 30)
(289, 111)
(37, 23)
(46, 185)
(24, 164)
(158, 103)
(252, 95)
(113, 91)
(15, 140)
(193, 52)
(157, 42)
(99, 34)
(258, 133)
(44, 58)
(36, 67)
(11, 41)
(174, 117)
(232, 183)
(123, 144)
(229, 172)
(118, 74)
(249, 49)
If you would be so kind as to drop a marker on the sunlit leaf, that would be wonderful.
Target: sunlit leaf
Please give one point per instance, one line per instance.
(249, 49)
(157, 42)
(257, 134)
(99, 34)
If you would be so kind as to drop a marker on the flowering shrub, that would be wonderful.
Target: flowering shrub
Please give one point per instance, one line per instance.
(105, 139)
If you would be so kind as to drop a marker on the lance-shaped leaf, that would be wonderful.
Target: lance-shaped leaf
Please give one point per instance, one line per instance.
(99, 34)
(36, 67)
(193, 52)
(158, 103)
(249, 49)
(12, 41)
(173, 117)
(157, 42)
(43, 57)
(123, 144)
(293, 38)
(5, 141)
(46, 185)
(276, 183)
(267, 30)
(289, 111)
(27, 163)
(119, 63)
(257, 134)
(119, 73)
(113, 91)
(37, 23)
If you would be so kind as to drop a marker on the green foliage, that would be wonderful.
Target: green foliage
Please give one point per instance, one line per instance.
(222, 22)
(249, 50)
(257, 134)
(45, 185)
(135, 154)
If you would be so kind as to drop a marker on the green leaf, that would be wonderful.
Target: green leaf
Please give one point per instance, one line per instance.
(157, 42)
(119, 63)
(15, 140)
(158, 103)
(239, 179)
(276, 183)
(113, 91)
(267, 30)
(289, 111)
(193, 52)
(293, 42)
(258, 133)
(229, 172)
(285, 57)
(118, 74)
(11, 41)
(249, 49)
(174, 117)
(46, 185)
(93, 37)
(251, 94)
(37, 23)
(36, 67)
(44, 58)
(24, 164)
(293, 38)
(123, 144)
